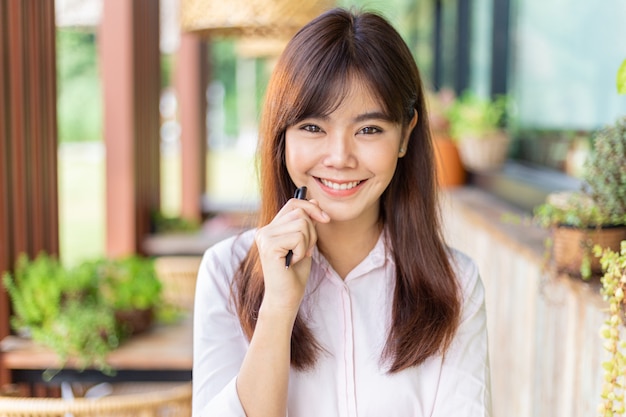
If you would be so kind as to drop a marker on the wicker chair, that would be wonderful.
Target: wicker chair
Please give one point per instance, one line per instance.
(178, 275)
(171, 402)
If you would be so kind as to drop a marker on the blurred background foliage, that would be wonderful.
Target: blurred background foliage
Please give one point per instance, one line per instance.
(561, 80)
(234, 80)
(79, 87)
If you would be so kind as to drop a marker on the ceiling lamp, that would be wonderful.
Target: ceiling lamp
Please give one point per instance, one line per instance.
(260, 46)
(278, 19)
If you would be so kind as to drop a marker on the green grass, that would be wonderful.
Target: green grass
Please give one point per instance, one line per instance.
(231, 176)
(81, 201)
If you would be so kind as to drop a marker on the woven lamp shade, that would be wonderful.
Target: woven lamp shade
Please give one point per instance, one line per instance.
(257, 46)
(249, 18)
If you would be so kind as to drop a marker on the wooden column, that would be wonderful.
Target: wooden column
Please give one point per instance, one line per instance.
(28, 137)
(192, 75)
(129, 48)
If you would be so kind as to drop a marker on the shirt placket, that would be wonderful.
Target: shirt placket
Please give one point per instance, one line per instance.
(347, 376)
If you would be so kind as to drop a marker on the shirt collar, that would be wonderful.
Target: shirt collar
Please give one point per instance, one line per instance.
(377, 258)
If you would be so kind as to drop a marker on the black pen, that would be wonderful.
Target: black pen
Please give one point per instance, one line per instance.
(300, 195)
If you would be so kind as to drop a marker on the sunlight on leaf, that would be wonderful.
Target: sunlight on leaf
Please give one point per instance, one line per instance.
(621, 78)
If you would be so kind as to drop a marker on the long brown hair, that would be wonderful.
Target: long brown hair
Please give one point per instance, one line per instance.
(311, 78)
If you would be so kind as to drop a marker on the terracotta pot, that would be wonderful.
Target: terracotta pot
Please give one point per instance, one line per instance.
(450, 169)
(135, 321)
(571, 245)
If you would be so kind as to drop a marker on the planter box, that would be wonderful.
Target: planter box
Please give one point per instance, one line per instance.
(570, 245)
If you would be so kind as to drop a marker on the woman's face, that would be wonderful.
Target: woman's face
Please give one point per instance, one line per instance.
(347, 159)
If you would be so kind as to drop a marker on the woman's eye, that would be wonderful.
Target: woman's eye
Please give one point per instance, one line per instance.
(311, 128)
(370, 130)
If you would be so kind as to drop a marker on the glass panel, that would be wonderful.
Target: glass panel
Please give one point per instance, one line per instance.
(480, 47)
(567, 53)
(448, 42)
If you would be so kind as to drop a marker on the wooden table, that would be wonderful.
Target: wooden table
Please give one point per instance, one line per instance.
(163, 353)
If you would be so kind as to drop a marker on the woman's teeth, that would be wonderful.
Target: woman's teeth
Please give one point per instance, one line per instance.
(342, 186)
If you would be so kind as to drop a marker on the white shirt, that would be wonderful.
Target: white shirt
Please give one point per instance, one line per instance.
(349, 318)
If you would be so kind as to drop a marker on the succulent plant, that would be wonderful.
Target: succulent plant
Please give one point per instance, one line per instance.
(605, 172)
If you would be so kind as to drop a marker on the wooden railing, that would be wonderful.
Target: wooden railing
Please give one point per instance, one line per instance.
(545, 348)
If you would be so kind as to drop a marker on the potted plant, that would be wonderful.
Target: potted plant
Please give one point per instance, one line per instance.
(476, 124)
(131, 288)
(595, 215)
(60, 308)
(577, 225)
(84, 332)
(79, 312)
(38, 290)
(613, 289)
(450, 169)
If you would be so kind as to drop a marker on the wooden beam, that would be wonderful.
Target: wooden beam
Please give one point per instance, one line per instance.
(28, 138)
(192, 75)
(130, 56)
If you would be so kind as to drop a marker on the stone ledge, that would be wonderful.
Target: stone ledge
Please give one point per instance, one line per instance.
(545, 349)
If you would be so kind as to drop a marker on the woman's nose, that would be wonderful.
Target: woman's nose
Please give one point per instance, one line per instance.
(339, 152)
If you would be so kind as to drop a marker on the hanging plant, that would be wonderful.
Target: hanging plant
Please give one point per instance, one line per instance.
(613, 290)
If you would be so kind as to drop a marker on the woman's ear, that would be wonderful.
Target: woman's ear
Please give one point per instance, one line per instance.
(407, 135)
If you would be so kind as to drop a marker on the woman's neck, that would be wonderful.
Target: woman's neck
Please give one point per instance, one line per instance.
(345, 245)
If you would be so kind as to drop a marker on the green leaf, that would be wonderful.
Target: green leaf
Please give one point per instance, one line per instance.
(621, 78)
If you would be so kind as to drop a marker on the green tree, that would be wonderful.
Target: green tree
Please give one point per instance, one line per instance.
(79, 104)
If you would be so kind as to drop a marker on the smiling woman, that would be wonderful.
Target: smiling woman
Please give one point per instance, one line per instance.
(375, 315)
(347, 155)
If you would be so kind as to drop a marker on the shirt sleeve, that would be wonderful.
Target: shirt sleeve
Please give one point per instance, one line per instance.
(465, 387)
(219, 344)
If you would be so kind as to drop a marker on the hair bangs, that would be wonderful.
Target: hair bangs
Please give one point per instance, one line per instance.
(321, 85)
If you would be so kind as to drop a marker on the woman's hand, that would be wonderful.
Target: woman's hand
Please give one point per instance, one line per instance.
(293, 228)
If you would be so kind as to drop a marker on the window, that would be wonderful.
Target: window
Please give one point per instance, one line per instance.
(557, 61)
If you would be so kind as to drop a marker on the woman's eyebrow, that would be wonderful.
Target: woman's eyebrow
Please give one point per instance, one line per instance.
(372, 115)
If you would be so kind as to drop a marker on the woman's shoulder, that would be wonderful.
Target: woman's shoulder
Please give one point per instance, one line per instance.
(239, 242)
(461, 261)
(465, 269)
(228, 254)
